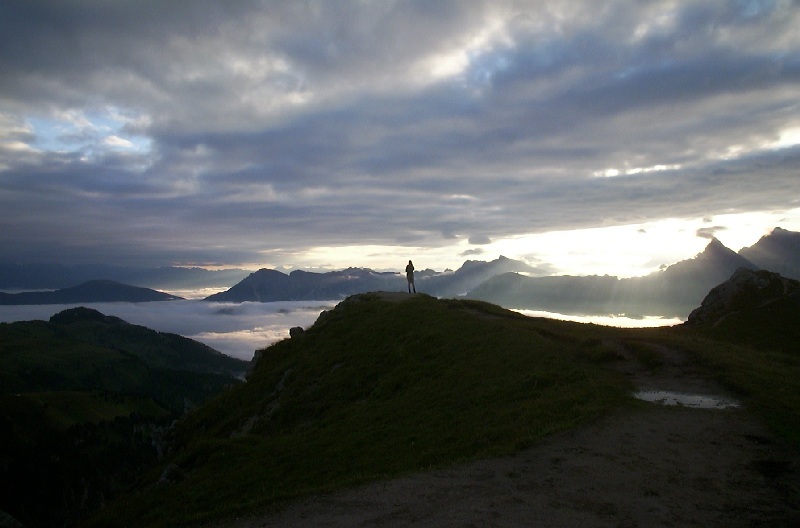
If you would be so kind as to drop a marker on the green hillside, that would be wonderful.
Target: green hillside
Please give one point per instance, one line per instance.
(83, 408)
(157, 349)
(378, 388)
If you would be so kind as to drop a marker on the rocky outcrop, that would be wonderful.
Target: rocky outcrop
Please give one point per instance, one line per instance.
(745, 290)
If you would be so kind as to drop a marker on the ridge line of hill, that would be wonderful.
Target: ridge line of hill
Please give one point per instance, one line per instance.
(92, 291)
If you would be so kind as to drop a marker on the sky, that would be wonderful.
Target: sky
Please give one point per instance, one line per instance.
(580, 136)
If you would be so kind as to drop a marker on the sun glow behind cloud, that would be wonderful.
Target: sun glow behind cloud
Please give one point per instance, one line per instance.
(610, 173)
(624, 251)
(636, 249)
(457, 61)
(788, 137)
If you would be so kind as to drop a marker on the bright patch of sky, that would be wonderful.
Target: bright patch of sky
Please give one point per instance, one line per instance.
(622, 251)
(474, 60)
(639, 249)
(89, 132)
(788, 137)
(611, 173)
(376, 257)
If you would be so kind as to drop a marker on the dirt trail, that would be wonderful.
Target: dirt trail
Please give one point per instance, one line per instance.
(655, 466)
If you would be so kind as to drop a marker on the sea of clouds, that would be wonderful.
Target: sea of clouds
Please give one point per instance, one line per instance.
(239, 329)
(235, 329)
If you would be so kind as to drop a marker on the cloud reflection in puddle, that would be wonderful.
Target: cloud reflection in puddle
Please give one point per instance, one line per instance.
(696, 401)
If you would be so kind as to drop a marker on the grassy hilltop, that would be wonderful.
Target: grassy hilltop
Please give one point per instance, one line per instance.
(378, 388)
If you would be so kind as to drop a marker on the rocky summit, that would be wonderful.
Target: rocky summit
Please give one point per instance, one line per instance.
(746, 291)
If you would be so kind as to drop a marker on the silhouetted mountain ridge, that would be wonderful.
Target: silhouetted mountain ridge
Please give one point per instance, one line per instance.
(50, 276)
(89, 292)
(266, 285)
(671, 292)
(779, 252)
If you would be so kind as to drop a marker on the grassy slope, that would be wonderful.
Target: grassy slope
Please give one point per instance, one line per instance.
(39, 356)
(767, 379)
(377, 389)
(158, 349)
(75, 418)
(36, 356)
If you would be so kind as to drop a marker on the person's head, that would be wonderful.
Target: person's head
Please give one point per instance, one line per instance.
(409, 261)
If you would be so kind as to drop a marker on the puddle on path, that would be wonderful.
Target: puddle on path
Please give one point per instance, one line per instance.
(696, 401)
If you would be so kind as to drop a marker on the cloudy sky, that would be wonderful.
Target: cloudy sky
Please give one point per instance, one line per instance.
(584, 137)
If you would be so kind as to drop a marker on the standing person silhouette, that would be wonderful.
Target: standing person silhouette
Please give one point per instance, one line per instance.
(410, 277)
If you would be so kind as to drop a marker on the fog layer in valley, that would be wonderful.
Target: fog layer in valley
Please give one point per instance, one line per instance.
(234, 329)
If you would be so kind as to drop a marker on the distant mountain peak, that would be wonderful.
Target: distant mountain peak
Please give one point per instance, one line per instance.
(715, 245)
(88, 292)
(267, 271)
(717, 250)
(778, 251)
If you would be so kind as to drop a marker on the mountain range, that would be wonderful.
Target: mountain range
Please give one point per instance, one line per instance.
(671, 292)
(88, 292)
(51, 276)
(267, 285)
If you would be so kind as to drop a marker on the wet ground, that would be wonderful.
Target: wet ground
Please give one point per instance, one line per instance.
(695, 401)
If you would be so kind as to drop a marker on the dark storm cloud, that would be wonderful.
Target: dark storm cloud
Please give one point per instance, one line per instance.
(223, 131)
